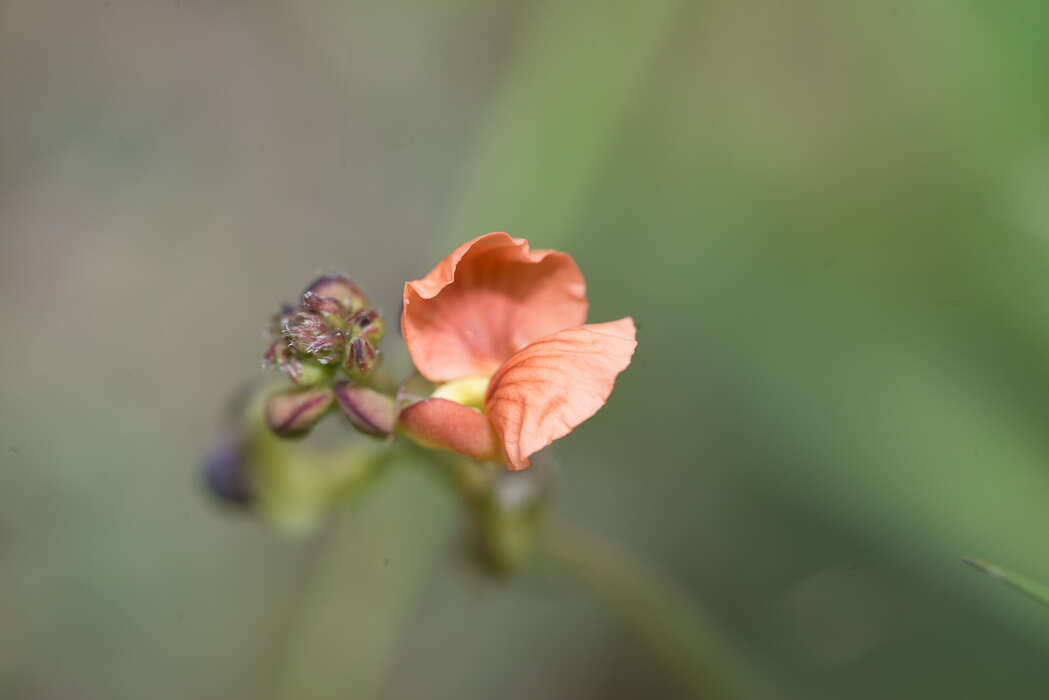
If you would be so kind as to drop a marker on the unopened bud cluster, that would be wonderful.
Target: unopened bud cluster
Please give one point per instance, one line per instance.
(334, 326)
(332, 329)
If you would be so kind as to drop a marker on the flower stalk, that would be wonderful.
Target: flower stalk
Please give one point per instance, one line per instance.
(680, 635)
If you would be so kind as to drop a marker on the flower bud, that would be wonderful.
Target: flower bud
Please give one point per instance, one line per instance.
(368, 324)
(331, 310)
(308, 334)
(338, 288)
(361, 359)
(368, 410)
(365, 330)
(225, 471)
(332, 327)
(293, 413)
(300, 370)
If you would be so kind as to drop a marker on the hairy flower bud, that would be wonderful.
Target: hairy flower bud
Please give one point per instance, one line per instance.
(293, 413)
(300, 370)
(331, 310)
(309, 334)
(334, 326)
(339, 288)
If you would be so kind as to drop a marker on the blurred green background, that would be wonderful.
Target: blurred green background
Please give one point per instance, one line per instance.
(830, 220)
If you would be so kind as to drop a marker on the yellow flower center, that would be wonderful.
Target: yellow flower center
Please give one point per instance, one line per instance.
(468, 391)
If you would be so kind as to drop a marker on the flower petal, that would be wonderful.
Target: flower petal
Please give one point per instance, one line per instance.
(448, 425)
(544, 391)
(488, 299)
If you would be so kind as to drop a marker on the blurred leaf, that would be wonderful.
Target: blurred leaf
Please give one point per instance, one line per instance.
(1026, 586)
(574, 78)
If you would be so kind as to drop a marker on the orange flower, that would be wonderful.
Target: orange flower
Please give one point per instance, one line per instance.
(502, 327)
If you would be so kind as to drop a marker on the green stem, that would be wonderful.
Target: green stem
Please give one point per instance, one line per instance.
(343, 631)
(1031, 589)
(679, 634)
(271, 676)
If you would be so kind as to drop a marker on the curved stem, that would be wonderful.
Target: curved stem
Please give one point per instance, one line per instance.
(290, 618)
(344, 629)
(679, 634)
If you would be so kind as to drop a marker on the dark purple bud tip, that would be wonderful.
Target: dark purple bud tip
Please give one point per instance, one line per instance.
(368, 410)
(364, 333)
(361, 359)
(338, 288)
(367, 324)
(225, 472)
(293, 413)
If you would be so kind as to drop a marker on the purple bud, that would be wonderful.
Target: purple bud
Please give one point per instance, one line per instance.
(339, 288)
(225, 471)
(330, 309)
(293, 413)
(367, 409)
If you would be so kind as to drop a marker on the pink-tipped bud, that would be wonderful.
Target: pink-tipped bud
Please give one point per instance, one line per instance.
(368, 410)
(293, 413)
(338, 288)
